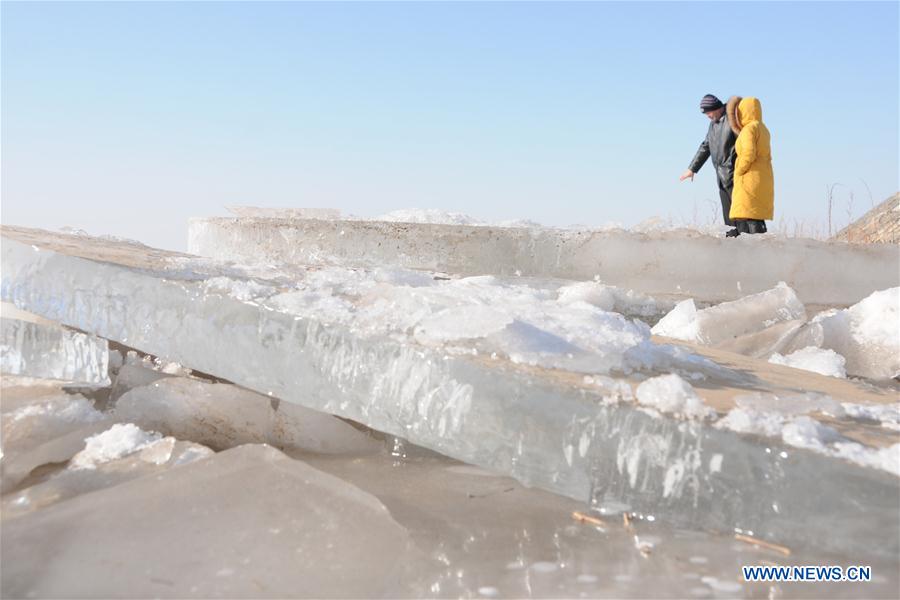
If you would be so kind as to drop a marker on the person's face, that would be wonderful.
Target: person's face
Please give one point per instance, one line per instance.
(715, 114)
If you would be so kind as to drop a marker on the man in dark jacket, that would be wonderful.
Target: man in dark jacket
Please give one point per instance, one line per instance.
(719, 144)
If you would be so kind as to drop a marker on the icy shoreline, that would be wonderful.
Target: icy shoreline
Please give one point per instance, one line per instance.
(476, 408)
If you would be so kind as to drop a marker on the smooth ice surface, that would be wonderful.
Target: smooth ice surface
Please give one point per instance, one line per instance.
(784, 337)
(729, 320)
(490, 532)
(681, 263)
(221, 416)
(247, 522)
(471, 532)
(48, 351)
(867, 334)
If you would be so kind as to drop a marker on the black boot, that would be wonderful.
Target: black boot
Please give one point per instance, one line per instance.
(732, 233)
(756, 226)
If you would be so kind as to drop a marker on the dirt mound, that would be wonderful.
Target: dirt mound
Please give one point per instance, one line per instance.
(881, 225)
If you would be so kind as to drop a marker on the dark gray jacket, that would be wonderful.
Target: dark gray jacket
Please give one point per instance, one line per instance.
(719, 144)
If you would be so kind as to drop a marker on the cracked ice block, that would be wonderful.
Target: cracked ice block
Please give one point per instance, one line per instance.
(46, 351)
(681, 263)
(547, 427)
(221, 416)
(730, 320)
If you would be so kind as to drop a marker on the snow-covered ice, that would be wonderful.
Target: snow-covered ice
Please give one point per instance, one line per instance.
(610, 298)
(818, 360)
(571, 329)
(670, 394)
(788, 419)
(867, 334)
(114, 443)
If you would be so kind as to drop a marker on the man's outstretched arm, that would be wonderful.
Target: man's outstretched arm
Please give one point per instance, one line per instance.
(697, 162)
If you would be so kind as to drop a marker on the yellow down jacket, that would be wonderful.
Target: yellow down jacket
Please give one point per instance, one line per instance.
(754, 183)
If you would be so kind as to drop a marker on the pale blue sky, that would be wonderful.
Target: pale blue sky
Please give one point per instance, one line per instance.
(128, 118)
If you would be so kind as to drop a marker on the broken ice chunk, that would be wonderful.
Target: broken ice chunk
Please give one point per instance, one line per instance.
(804, 432)
(51, 352)
(817, 360)
(673, 395)
(866, 334)
(729, 320)
(609, 298)
(73, 481)
(117, 441)
(680, 323)
(16, 466)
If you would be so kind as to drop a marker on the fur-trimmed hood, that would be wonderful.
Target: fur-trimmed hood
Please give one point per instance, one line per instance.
(731, 109)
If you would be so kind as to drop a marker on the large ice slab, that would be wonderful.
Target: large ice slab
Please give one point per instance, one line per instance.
(246, 523)
(547, 427)
(47, 351)
(682, 263)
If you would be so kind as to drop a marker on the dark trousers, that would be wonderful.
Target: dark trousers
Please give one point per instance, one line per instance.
(725, 197)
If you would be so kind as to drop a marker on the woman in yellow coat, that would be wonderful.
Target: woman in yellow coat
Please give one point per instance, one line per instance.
(753, 199)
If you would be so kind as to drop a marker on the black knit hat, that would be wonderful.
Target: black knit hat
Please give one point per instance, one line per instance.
(710, 103)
